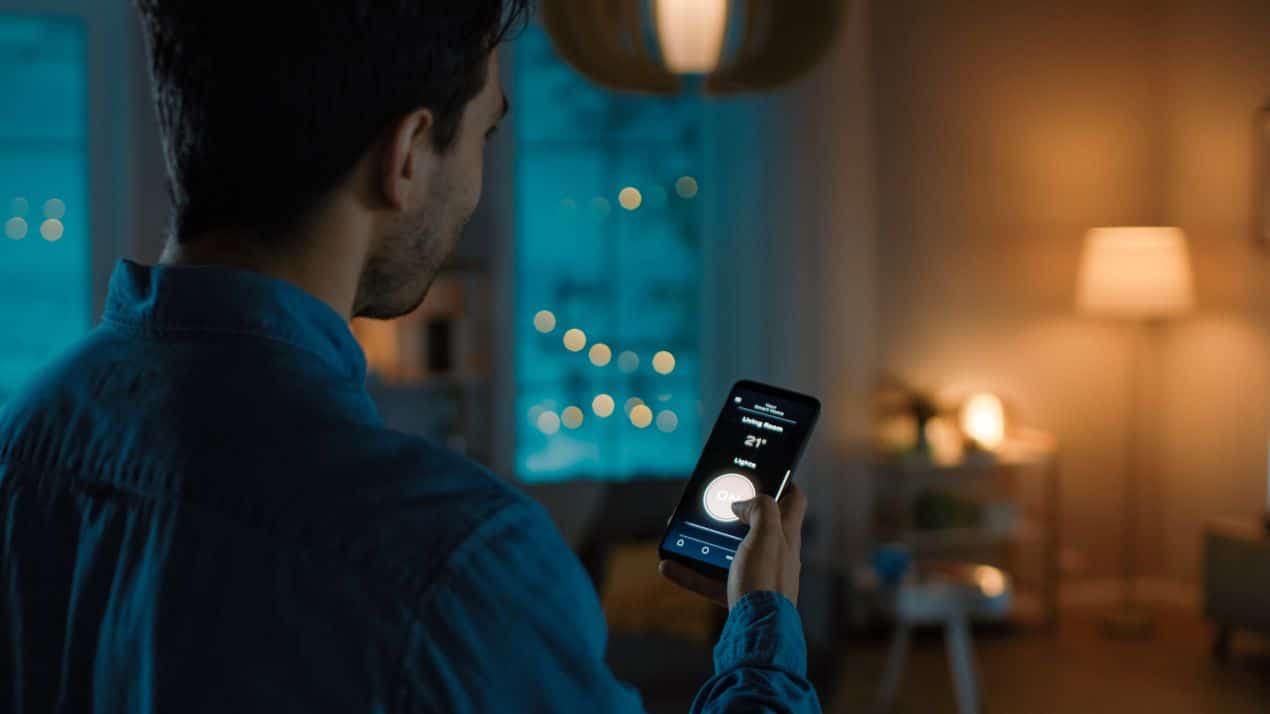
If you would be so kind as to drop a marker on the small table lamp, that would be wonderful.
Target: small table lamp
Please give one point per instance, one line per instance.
(1142, 274)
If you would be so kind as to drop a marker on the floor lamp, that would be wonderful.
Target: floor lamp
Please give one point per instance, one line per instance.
(1142, 275)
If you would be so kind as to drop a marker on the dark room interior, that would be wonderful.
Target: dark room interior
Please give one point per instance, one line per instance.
(1018, 250)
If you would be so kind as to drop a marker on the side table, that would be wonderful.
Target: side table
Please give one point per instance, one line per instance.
(1016, 495)
(946, 595)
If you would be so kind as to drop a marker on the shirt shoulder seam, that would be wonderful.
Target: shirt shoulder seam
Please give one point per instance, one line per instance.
(515, 508)
(408, 600)
(502, 517)
(152, 331)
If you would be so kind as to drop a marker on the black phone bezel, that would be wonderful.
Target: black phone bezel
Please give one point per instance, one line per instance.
(714, 571)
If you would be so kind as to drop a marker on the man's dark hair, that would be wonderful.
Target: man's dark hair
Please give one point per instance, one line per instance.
(265, 106)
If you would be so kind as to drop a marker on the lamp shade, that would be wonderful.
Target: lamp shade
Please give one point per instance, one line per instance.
(691, 33)
(651, 45)
(1135, 272)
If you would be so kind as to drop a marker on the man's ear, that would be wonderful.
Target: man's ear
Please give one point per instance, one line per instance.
(407, 149)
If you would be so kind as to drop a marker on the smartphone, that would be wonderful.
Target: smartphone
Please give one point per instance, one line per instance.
(753, 449)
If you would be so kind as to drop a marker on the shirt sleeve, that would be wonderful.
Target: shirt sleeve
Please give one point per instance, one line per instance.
(514, 624)
(760, 662)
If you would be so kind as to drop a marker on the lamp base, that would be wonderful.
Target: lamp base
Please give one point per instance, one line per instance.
(1129, 622)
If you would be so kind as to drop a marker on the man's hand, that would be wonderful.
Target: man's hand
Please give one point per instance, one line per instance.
(768, 558)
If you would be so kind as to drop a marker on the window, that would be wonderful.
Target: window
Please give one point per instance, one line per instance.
(608, 276)
(45, 257)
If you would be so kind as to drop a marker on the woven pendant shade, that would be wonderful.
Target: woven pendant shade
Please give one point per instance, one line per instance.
(618, 44)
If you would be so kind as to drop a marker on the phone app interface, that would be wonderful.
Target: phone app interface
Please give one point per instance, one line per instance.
(751, 450)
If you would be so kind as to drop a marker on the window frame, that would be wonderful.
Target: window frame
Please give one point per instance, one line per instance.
(506, 192)
(111, 36)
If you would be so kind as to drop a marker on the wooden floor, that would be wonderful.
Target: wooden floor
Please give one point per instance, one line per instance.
(1076, 671)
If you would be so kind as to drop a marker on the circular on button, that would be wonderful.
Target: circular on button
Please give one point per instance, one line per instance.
(722, 492)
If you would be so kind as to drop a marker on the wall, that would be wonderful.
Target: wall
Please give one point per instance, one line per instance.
(789, 280)
(819, 278)
(1216, 365)
(995, 138)
(1002, 135)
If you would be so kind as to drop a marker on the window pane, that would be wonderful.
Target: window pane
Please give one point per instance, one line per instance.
(608, 243)
(44, 251)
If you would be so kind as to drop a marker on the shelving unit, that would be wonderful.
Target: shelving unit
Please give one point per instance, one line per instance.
(958, 538)
(1000, 510)
(451, 405)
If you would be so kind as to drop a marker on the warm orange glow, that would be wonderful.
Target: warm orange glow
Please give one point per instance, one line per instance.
(946, 447)
(544, 321)
(548, 423)
(572, 417)
(51, 230)
(632, 403)
(895, 434)
(603, 406)
(641, 416)
(663, 362)
(991, 580)
(574, 340)
(630, 198)
(382, 344)
(396, 350)
(1135, 272)
(600, 354)
(691, 33)
(983, 420)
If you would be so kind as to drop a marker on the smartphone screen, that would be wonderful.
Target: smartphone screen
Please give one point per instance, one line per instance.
(753, 449)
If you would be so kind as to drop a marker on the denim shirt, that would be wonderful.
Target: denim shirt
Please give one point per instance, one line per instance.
(200, 511)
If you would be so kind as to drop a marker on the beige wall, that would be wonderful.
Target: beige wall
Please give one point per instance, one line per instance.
(1003, 133)
(1216, 365)
(790, 249)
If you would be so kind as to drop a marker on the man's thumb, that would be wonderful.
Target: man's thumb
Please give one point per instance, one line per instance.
(758, 513)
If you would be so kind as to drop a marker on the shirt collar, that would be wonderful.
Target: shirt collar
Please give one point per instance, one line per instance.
(214, 299)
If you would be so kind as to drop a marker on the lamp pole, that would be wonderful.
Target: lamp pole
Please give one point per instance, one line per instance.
(1143, 274)
(1132, 619)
